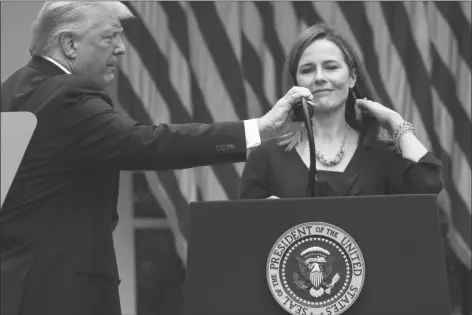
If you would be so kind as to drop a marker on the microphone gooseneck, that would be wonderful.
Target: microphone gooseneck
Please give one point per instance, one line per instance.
(312, 176)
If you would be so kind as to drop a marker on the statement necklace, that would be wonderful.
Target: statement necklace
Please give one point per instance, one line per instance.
(337, 158)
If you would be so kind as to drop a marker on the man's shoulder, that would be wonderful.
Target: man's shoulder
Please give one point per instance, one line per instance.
(73, 83)
(27, 80)
(30, 76)
(76, 89)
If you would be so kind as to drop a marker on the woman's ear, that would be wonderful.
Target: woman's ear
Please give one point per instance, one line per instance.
(352, 80)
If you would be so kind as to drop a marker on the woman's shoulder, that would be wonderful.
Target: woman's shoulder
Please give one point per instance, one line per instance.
(267, 149)
(377, 139)
(383, 149)
(383, 145)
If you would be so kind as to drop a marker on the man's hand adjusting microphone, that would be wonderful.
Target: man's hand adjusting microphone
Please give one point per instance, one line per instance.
(277, 123)
(298, 113)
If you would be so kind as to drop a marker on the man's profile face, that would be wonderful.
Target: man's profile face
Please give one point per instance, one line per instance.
(99, 49)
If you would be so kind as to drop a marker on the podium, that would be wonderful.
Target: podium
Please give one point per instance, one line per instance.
(369, 255)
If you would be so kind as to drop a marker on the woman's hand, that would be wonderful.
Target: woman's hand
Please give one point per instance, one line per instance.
(386, 117)
(411, 148)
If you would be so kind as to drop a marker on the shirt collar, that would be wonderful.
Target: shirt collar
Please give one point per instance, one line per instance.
(57, 64)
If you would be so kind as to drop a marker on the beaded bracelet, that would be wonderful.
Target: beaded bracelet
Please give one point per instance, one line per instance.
(403, 127)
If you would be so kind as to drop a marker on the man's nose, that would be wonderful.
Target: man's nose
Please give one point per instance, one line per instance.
(120, 48)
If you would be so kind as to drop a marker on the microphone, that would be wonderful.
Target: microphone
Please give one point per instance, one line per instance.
(298, 111)
(307, 113)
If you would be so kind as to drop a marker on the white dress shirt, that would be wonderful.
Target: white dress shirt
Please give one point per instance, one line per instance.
(57, 64)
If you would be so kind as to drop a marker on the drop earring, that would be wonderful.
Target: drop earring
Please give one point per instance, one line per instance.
(353, 94)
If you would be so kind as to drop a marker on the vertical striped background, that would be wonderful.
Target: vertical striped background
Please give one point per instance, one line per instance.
(222, 61)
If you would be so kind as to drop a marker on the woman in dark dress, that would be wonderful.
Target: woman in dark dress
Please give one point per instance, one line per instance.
(363, 147)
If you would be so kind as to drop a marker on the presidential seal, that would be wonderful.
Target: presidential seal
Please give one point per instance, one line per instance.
(315, 268)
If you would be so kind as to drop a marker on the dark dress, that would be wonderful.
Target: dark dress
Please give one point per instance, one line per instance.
(375, 169)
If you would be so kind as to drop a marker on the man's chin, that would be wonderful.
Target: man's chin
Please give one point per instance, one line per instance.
(107, 79)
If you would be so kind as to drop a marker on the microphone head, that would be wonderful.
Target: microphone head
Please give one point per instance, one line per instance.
(298, 112)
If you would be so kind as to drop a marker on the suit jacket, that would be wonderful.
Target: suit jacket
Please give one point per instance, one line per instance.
(56, 224)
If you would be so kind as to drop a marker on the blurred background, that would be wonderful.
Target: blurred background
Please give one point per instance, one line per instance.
(221, 61)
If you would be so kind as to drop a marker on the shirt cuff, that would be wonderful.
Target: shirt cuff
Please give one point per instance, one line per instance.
(251, 130)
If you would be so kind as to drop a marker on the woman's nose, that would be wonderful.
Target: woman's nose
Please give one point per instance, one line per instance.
(319, 76)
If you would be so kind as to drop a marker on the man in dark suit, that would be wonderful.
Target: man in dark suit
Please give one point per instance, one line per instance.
(56, 224)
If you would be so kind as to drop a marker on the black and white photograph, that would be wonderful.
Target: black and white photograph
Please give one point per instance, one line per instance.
(236, 158)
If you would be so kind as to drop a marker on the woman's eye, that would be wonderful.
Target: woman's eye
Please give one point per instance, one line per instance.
(332, 67)
(306, 70)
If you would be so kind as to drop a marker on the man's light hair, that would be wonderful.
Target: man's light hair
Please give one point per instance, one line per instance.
(57, 18)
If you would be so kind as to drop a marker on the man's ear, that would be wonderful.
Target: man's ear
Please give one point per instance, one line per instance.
(69, 45)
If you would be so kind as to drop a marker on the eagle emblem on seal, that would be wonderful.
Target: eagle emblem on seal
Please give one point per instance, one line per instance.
(315, 266)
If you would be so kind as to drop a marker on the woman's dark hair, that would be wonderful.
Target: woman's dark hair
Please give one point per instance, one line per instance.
(363, 88)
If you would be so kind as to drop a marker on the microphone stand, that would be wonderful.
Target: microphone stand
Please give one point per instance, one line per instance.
(312, 176)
